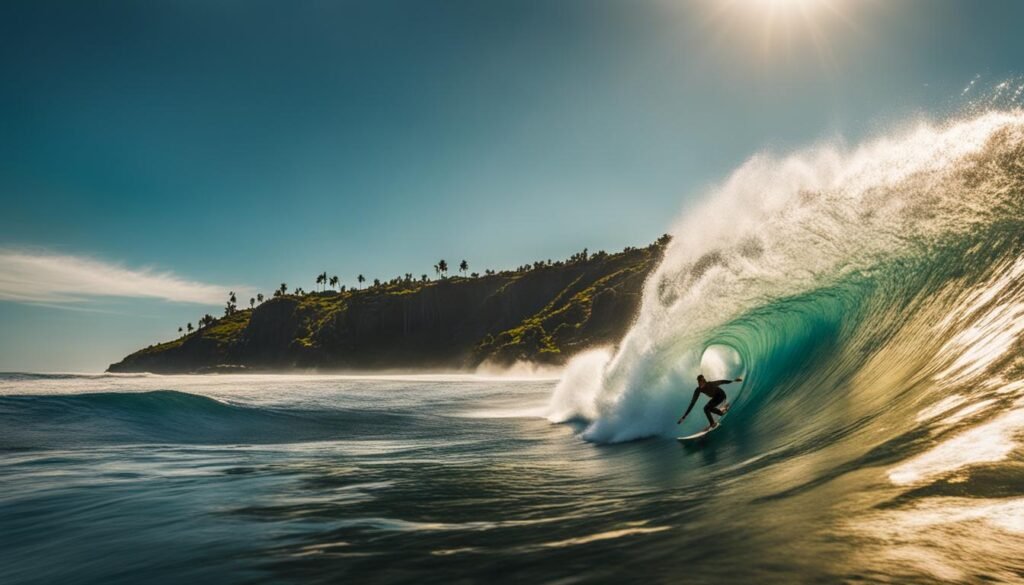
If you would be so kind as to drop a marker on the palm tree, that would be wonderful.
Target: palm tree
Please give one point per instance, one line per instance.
(252, 302)
(189, 327)
(229, 308)
(463, 267)
(334, 281)
(283, 289)
(376, 283)
(423, 277)
(179, 330)
(442, 267)
(361, 279)
(259, 298)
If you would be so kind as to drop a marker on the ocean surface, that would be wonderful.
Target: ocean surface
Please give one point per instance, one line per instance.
(871, 298)
(289, 479)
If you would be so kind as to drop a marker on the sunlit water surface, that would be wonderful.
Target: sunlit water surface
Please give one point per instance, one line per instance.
(239, 479)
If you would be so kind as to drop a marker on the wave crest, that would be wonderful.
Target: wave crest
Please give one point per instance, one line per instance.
(810, 253)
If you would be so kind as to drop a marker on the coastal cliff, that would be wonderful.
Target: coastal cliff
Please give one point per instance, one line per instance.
(541, 313)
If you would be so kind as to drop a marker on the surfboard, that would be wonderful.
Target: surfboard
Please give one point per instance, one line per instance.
(725, 411)
(698, 435)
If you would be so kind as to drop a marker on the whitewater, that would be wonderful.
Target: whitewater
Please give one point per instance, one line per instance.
(871, 297)
(821, 248)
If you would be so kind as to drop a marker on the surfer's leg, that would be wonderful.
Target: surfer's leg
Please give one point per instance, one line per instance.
(712, 406)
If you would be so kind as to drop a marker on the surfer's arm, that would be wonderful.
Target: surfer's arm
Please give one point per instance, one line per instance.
(696, 393)
(720, 382)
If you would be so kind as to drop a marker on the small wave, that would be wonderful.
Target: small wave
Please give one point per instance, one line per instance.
(167, 416)
(26, 376)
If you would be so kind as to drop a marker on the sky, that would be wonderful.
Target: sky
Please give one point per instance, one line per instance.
(155, 155)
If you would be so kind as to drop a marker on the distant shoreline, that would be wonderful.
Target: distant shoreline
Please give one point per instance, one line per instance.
(540, 314)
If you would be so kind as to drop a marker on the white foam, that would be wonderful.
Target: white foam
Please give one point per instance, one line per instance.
(777, 227)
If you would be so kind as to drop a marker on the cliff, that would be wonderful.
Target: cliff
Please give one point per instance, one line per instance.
(542, 313)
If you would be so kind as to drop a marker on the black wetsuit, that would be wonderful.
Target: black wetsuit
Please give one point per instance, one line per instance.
(717, 397)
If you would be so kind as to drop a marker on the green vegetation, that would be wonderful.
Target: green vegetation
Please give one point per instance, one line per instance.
(226, 329)
(545, 312)
(560, 325)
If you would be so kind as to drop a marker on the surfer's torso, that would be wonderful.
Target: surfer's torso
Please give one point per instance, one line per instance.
(712, 389)
(717, 395)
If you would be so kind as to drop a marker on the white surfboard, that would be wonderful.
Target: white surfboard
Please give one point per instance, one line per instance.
(698, 435)
(725, 411)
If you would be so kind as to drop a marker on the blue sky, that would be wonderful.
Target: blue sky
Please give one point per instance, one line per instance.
(166, 151)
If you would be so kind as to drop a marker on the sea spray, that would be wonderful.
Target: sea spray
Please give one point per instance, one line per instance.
(784, 257)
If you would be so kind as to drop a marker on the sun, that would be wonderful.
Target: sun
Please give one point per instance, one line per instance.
(781, 3)
(776, 29)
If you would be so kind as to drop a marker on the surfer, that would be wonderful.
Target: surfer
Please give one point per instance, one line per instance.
(717, 395)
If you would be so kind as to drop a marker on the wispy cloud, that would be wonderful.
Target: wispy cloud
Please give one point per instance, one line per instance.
(42, 277)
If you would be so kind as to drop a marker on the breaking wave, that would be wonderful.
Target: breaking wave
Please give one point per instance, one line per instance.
(847, 286)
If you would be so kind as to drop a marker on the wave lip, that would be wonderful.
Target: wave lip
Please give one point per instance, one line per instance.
(813, 258)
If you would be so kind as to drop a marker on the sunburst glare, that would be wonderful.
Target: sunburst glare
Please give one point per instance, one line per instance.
(777, 30)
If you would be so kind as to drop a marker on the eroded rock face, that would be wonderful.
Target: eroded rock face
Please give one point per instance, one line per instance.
(543, 314)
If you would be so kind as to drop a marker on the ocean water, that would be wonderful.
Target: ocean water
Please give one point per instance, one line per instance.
(288, 479)
(872, 299)
(318, 479)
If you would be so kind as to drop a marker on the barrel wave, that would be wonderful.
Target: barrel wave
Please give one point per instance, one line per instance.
(873, 299)
(859, 287)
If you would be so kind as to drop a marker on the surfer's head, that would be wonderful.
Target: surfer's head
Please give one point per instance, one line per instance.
(700, 380)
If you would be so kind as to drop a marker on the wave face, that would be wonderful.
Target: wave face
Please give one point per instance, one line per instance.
(170, 417)
(854, 285)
